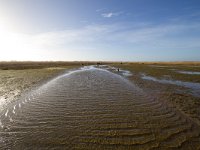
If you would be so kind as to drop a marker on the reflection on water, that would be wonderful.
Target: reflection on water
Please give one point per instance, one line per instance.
(195, 87)
(93, 108)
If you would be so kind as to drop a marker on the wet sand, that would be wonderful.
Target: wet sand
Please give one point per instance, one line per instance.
(93, 108)
(16, 80)
(181, 91)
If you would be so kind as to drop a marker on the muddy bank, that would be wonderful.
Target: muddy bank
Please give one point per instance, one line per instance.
(15, 82)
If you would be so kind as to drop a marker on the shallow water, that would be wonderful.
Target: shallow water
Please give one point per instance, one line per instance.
(195, 87)
(189, 72)
(159, 66)
(125, 73)
(94, 109)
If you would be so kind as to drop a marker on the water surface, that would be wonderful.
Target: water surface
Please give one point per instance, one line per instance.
(194, 87)
(189, 72)
(93, 108)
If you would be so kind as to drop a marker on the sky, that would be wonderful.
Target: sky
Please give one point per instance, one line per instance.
(100, 30)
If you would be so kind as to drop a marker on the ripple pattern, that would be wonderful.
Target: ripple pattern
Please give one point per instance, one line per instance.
(94, 109)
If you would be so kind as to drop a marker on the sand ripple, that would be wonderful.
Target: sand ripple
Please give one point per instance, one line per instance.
(94, 109)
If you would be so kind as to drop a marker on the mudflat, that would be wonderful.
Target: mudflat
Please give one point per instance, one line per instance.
(115, 106)
(18, 77)
(177, 83)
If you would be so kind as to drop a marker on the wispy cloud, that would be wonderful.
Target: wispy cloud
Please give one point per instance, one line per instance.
(107, 15)
(131, 36)
(165, 36)
(111, 14)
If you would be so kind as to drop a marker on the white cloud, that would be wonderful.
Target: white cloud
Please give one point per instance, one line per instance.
(111, 14)
(107, 15)
(115, 33)
(146, 36)
(72, 44)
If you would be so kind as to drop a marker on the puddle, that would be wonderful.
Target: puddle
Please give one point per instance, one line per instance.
(159, 66)
(189, 72)
(195, 87)
(125, 73)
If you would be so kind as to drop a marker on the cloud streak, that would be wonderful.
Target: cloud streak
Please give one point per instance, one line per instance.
(111, 14)
(121, 33)
(92, 39)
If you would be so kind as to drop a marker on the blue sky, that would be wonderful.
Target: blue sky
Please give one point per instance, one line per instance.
(111, 30)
